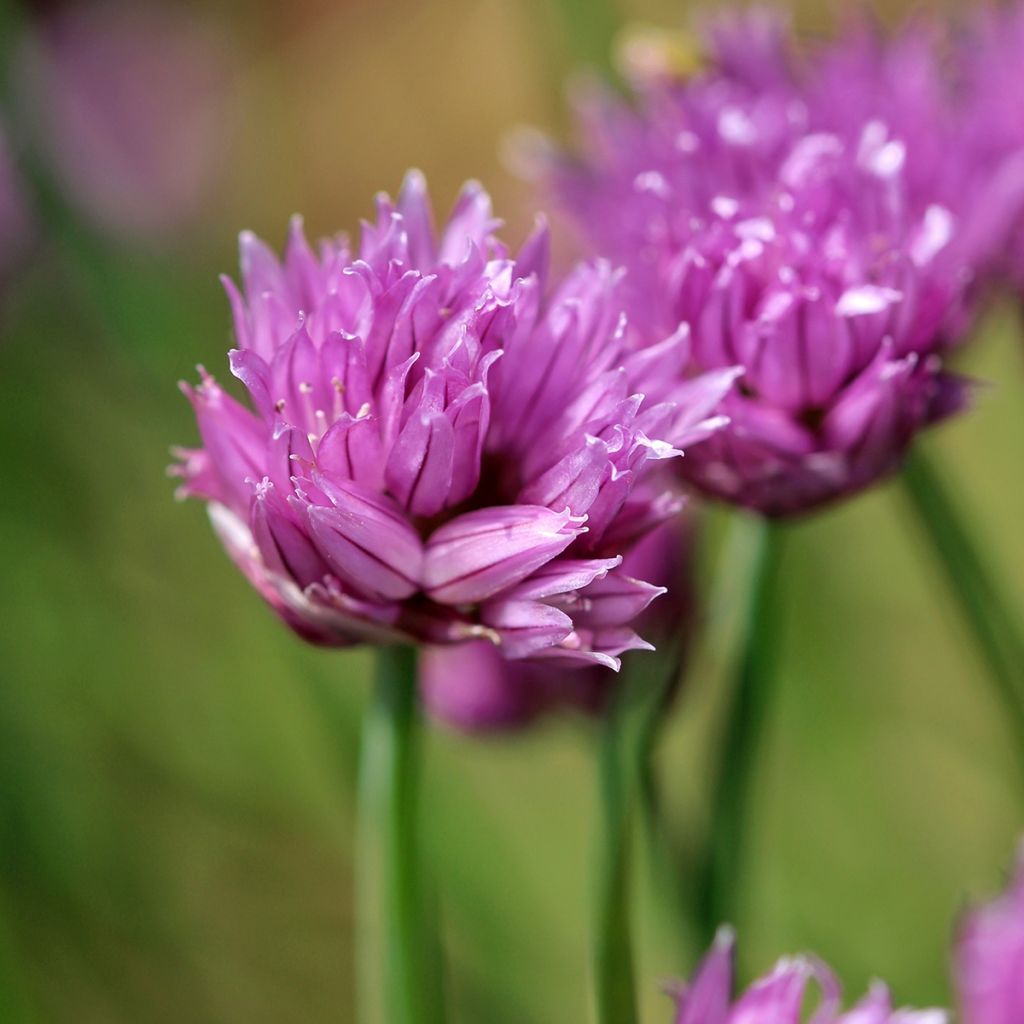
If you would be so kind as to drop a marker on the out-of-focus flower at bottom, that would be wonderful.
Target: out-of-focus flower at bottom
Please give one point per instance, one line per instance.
(989, 962)
(779, 997)
(473, 688)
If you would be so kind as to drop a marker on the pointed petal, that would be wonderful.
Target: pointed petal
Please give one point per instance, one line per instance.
(525, 627)
(366, 540)
(706, 1000)
(481, 553)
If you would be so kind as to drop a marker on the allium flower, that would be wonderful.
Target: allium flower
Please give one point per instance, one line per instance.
(471, 687)
(801, 253)
(441, 450)
(132, 104)
(990, 134)
(779, 997)
(990, 959)
(948, 93)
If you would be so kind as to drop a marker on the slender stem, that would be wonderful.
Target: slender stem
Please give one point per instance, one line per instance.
(14, 999)
(591, 26)
(750, 703)
(666, 870)
(998, 636)
(613, 967)
(628, 733)
(397, 983)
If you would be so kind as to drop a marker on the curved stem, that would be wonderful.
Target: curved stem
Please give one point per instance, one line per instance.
(997, 635)
(397, 952)
(750, 703)
(628, 734)
(665, 860)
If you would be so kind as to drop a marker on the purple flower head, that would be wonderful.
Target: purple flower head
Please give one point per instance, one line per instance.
(990, 139)
(439, 448)
(950, 98)
(472, 688)
(780, 996)
(801, 253)
(990, 958)
(838, 300)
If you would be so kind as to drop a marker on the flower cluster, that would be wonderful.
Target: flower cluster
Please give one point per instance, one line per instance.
(988, 977)
(442, 449)
(801, 218)
(779, 997)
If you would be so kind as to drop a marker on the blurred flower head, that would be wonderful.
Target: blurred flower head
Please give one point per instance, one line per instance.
(990, 133)
(441, 448)
(800, 252)
(472, 688)
(779, 997)
(990, 958)
(132, 105)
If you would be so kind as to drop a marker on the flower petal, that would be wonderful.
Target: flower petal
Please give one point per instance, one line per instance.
(481, 553)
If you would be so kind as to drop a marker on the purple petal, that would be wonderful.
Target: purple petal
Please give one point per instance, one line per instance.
(562, 576)
(471, 223)
(414, 206)
(254, 373)
(776, 999)
(614, 600)
(234, 439)
(470, 416)
(420, 465)
(525, 627)
(287, 452)
(481, 553)
(534, 258)
(351, 450)
(574, 482)
(285, 547)
(990, 958)
(706, 1000)
(472, 687)
(366, 540)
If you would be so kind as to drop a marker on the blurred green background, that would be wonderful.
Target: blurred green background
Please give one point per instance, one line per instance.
(176, 770)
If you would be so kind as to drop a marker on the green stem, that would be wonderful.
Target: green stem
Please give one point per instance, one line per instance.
(613, 967)
(628, 733)
(14, 999)
(665, 860)
(397, 955)
(751, 699)
(591, 26)
(985, 611)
